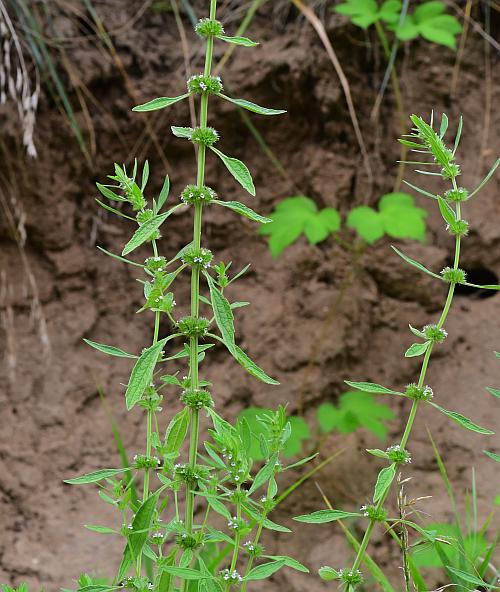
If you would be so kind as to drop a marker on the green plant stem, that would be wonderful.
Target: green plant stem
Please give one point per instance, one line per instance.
(195, 288)
(415, 405)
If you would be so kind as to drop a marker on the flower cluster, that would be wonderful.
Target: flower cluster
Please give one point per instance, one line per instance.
(201, 257)
(421, 393)
(207, 136)
(155, 264)
(209, 28)
(146, 216)
(193, 326)
(157, 538)
(231, 577)
(190, 474)
(236, 524)
(187, 541)
(373, 513)
(434, 333)
(458, 194)
(127, 185)
(398, 455)
(193, 194)
(197, 399)
(142, 461)
(351, 577)
(455, 276)
(253, 549)
(458, 228)
(450, 171)
(199, 83)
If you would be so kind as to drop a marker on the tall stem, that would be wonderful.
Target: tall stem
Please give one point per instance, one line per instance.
(415, 405)
(195, 283)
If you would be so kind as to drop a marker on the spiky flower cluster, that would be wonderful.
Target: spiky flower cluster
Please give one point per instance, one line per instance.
(186, 540)
(209, 28)
(199, 83)
(455, 276)
(142, 461)
(351, 577)
(231, 577)
(458, 194)
(201, 257)
(424, 393)
(458, 228)
(373, 513)
(155, 264)
(193, 194)
(398, 455)
(235, 524)
(157, 538)
(253, 549)
(234, 464)
(193, 326)
(451, 171)
(434, 333)
(190, 474)
(204, 135)
(197, 399)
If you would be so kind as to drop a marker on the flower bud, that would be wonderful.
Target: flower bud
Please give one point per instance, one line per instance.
(193, 326)
(209, 28)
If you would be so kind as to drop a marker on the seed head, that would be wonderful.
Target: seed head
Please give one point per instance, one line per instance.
(155, 264)
(209, 28)
(434, 333)
(204, 135)
(198, 257)
(373, 513)
(197, 399)
(451, 171)
(351, 577)
(458, 194)
(455, 276)
(398, 455)
(193, 194)
(458, 228)
(142, 461)
(201, 84)
(424, 393)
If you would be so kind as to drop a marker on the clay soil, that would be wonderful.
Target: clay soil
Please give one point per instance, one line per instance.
(317, 317)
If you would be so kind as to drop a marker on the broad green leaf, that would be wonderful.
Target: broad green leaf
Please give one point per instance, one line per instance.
(185, 573)
(244, 210)
(176, 431)
(300, 432)
(328, 416)
(417, 349)
(361, 409)
(371, 387)
(109, 349)
(323, 516)
(463, 421)
(141, 524)
(264, 571)
(252, 106)
(492, 455)
(223, 314)
(384, 480)
(328, 574)
(159, 103)
(238, 170)
(416, 264)
(244, 41)
(289, 562)
(142, 373)
(95, 476)
(182, 132)
(265, 474)
(330, 219)
(144, 232)
(366, 222)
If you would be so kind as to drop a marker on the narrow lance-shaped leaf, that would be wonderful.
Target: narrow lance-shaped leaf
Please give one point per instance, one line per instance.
(182, 132)
(417, 349)
(492, 455)
(185, 573)
(487, 178)
(324, 516)
(118, 258)
(264, 474)
(264, 571)
(141, 524)
(109, 349)
(371, 387)
(142, 373)
(416, 264)
(108, 193)
(251, 367)
(249, 106)
(384, 480)
(159, 103)
(468, 577)
(238, 169)
(223, 313)
(463, 421)
(446, 211)
(244, 210)
(164, 193)
(244, 41)
(144, 232)
(95, 476)
(176, 431)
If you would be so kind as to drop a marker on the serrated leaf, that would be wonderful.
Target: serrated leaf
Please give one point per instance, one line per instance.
(264, 571)
(159, 103)
(384, 480)
(252, 106)
(417, 349)
(142, 373)
(109, 349)
(463, 421)
(324, 516)
(371, 387)
(95, 476)
(244, 210)
(244, 41)
(238, 170)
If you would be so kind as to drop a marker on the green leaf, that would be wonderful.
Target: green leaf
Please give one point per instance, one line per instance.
(108, 193)
(141, 524)
(223, 314)
(144, 232)
(244, 210)
(176, 431)
(366, 222)
(323, 516)
(328, 574)
(98, 588)
(361, 409)
(401, 218)
(467, 577)
(95, 476)
(417, 349)
(113, 210)
(328, 417)
(264, 571)
(251, 367)
(300, 431)
(109, 349)
(384, 480)
(493, 391)
(371, 387)
(238, 169)
(377, 452)
(110, 254)
(289, 562)
(252, 106)
(100, 529)
(182, 132)
(416, 264)
(159, 103)
(444, 117)
(492, 455)
(265, 474)
(238, 40)
(463, 421)
(142, 373)
(446, 211)
(164, 193)
(185, 573)
(487, 178)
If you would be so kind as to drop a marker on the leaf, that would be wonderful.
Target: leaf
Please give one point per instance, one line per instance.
(251, 367)
(223, 314)
(328, 417)
(144, 232)
(446, 211)
(416, 264)
(463, 421)
(487, 178)
(142, 373)
(371, 387)
(289, 562)
(141, 524)
(264, 571)
(467, 577)
(182, 132)
(244, 210)
(265, 474)
(252, 106)
(238, 170)
(323, 516)
(176, 431)
(95, 476)
(299, 431)
(108, 193)
(444, 122)
(120, 258)
(493, 391)
(185, 573)
(401, 218)
(492, 455)
(109, 349)
(384, 480)
(113, 210)
(238, 40)
(359, 409)
(159, 103)
(100, 529)
(164, 193)
(366, 222)
(417, 349)
(328, 574)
